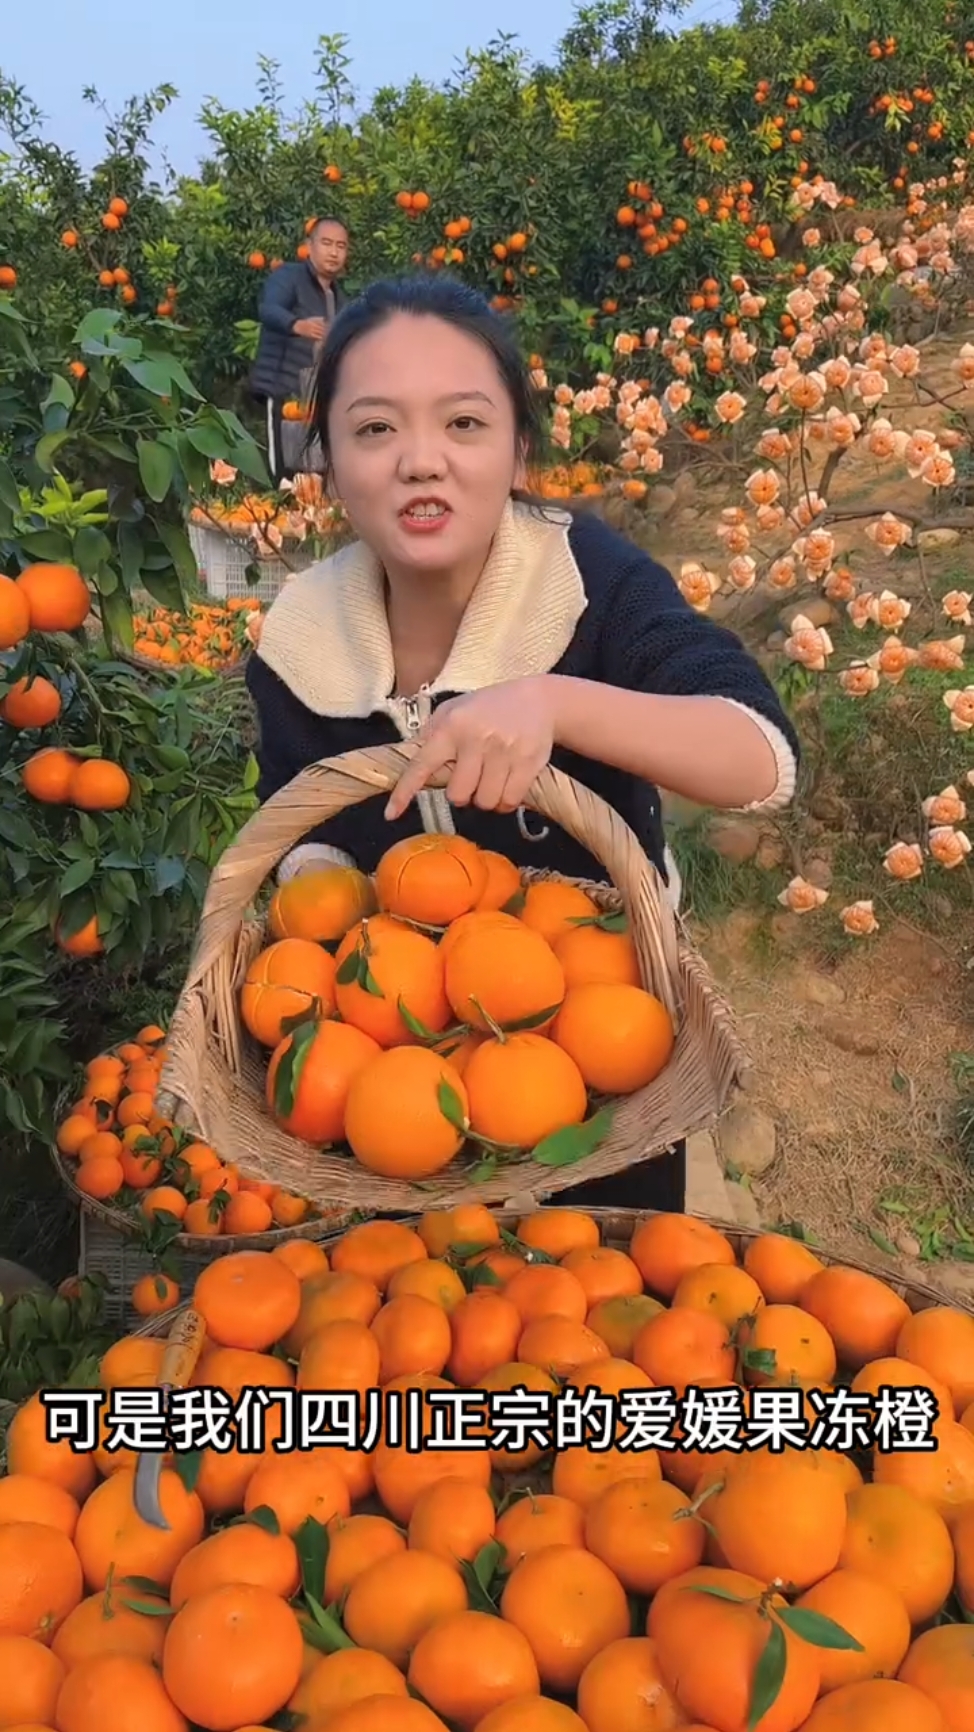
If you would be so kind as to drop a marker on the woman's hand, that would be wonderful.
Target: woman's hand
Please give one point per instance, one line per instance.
(498, 741)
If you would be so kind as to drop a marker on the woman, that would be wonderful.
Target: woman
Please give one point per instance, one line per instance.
(502, 635)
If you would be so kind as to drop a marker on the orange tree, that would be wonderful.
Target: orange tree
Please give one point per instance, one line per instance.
(104, 442)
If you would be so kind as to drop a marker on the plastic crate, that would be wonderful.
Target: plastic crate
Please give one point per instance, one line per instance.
(121, 1259)
(224, 559)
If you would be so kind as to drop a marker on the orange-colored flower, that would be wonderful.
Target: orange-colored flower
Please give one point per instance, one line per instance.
(859, 920)
(904, 861)
(859, 680)
(947, 807)
(942, 655)
(697, 585)
(894, 660)
(957, 606)
(808, 644)
(961, 707)
(802, 897)
(949, 847)
(888, 533)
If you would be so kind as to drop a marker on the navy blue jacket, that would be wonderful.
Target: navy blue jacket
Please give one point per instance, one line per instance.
(636, 632)
(291, 293)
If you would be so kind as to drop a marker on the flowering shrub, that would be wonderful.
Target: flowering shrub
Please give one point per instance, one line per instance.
(793, 400)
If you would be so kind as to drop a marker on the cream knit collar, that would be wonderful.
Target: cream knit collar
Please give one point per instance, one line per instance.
(327, 636)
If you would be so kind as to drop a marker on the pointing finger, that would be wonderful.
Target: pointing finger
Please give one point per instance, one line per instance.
(433, 756)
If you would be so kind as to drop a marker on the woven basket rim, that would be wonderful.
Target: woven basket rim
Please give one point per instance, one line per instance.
(213, 1066)
(621, 1223)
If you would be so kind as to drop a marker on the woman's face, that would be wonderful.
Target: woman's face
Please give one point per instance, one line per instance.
(424, 448)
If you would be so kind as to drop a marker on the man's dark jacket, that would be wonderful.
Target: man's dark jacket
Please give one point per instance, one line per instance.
(292, 292)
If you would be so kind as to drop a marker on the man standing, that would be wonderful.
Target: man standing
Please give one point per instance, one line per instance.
(298, 304)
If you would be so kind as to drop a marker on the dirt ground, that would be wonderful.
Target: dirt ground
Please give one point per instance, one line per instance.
(861, 1057)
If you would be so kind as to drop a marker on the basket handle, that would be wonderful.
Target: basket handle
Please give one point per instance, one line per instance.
(329, 786)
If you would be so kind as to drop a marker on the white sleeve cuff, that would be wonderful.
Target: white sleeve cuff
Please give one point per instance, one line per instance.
(309, 856)
(787, 764)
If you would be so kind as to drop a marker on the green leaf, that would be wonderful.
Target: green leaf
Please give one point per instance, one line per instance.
(165, 588)
(264, 1517)
(9, 491)
(96, 325)
(77, 876)
(145, 1585)
(602, 922)
(563, 1148)
(311, 1541)
(59, 393)
(156, 468)
(820, 1631)
(47, 449)
(451, 1106)
(478, 1593)
(116, 617)
(525, 1023)
(148, 1608)
(48, 544)
(325, 1632)
(187, 1464)
(153, 376)
(92, 550)
(417, 1028)
(515, 903)
(292, 1063)
(769, 1675)
(177, 545)
(348, 971)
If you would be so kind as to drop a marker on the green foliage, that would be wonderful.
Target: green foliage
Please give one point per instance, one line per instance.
(52, 1340)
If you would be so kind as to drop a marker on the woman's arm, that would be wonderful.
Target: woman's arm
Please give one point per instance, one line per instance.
(709, 750)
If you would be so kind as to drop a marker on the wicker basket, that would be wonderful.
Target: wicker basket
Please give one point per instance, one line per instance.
(216, 1074)
(616, 1228)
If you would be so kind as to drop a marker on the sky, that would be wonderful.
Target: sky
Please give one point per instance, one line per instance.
(55, 49)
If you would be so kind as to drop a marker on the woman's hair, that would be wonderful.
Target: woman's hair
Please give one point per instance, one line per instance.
(434, 297)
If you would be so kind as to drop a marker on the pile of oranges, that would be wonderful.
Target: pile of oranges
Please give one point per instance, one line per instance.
(209, 635)
(119, 1148)
(520, 1589)
(466, 1010)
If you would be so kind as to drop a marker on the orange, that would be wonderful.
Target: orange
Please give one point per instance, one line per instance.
(895, 1538)
(28, 1451)
(85, 942)
(321, 905)
(14, 614)
(609, 1376)
(297, 1487)
(552, 908)
(665, 1247)
(31, 703)
(515, 1375)
(404, 1112)
(881, 1705)
(113, 1541)
(246, 1213)
(72, 1133)
(872, 1613)
(342, 1355)
(413, 1335)
(643, 1531)
(680, 1348)
(940, 1664)
(57, 596)
(431, 879)
(164, 1200)
(383, 969)
(781, 1266)
(402, 1475)
(379, 1714)
(374, 1250)
(862, 1314)
(558, 1345)
(98, 786)
(522, 1089)
(248, 1299)
(469, 1224)
(468, 1664)
(779, 1517)
(900, 1374)
(503, 882)
(943, 1477)
(452, 1519)
(604, 1273)
(621, 1037)
(395, 1601)
(355, 1542)
(31, 1680)
(310, 1074)
(241, 1553)
(128, 1358)
(256, 1640)
(590, 955)
(328, 1298)
(728, 1294)
(686, 1624)
(40, 1579)
(47, 775)
(618, 1321)
(26, 1498)
(794, 1347)
(304, 1256)
(335, 1681)
(569, 1605)
(556, 1232)
(498, 975)
(292, 978)
(545, 1290)
(536, 1521)
(532, 1714)
(622, 1690)
(941, 1341)
(104, 1624)
(478, 920)
(433, 1280)
(113, 1691)
(583, 1474)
